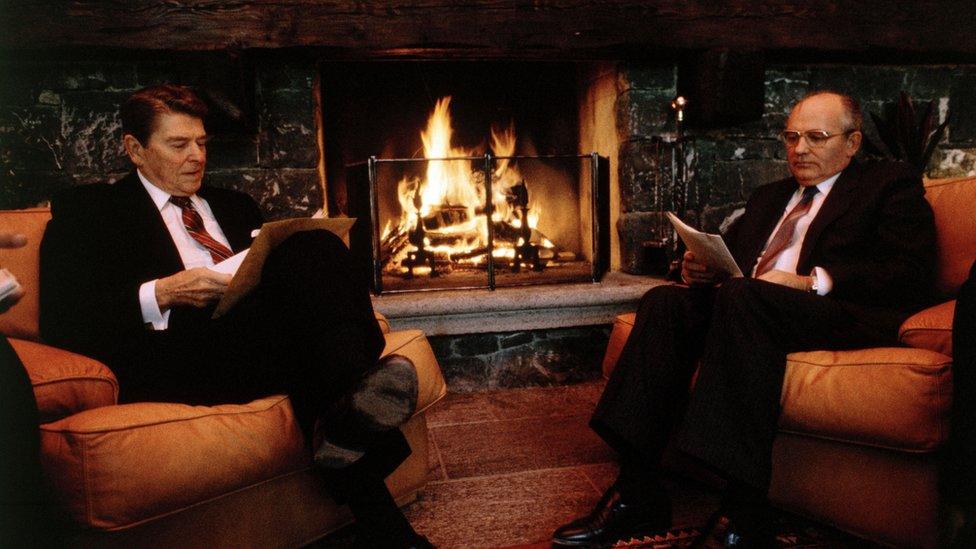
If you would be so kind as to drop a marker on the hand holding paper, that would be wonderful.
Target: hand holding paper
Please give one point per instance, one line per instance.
(708, 249)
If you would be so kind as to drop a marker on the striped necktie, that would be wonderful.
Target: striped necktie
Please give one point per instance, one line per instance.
(784, 236)
(194, 225)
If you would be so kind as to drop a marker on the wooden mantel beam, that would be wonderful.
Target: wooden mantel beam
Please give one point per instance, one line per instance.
(494, 28)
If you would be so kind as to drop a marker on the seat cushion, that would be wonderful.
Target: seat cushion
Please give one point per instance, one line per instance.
(930, 329)
(890, 397)
(121, 465)
(65, 383)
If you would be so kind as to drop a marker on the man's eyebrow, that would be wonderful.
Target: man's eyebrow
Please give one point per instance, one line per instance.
(187, 138)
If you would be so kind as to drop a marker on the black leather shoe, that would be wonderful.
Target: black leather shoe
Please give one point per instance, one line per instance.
(723, 531)
(614, 520)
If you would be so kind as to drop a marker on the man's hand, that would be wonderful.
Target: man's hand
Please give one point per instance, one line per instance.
(11, 240)
(698, 274)
(791, 280)
(193, 287)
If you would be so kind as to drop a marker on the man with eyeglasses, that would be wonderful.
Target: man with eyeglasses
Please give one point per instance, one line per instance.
(834, 257)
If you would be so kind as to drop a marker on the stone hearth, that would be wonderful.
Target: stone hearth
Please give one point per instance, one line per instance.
(518, 337)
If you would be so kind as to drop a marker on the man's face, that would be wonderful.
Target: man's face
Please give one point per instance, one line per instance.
(174, 156)
(811, 165)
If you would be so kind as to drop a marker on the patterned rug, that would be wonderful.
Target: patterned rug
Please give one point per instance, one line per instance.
(793, 533)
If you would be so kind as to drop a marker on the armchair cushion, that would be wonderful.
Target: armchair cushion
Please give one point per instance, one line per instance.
(121, 465)
(930, 329)
(65, 383)
(952, 201)
(889, 397)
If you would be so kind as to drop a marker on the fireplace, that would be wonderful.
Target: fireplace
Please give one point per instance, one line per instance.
(465, 175)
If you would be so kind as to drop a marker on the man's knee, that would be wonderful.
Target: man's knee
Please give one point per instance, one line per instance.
(737, 289)
(307, 253)
(663, 297)
(315, 241)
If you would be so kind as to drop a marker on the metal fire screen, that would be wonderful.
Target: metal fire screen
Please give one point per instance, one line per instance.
(522, 220)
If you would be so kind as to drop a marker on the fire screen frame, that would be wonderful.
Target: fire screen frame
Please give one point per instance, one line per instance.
(599, 215)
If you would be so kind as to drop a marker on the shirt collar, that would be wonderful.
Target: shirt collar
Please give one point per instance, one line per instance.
(827, 184)
(160, 197)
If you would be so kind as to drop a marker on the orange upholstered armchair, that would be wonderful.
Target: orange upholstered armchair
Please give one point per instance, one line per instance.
(172, 475)
(860, 429)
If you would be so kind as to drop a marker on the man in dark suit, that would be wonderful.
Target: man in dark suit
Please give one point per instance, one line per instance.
(835, 257)
(126, 278)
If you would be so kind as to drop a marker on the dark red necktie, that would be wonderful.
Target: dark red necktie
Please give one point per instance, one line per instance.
(784, 236)
(194, 225)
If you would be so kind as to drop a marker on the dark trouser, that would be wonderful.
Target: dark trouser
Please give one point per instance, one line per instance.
(27, 516)
(957, 477)
(307, 330)
(738, 335)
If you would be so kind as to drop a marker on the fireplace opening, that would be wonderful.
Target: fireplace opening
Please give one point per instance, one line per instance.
(464, 175)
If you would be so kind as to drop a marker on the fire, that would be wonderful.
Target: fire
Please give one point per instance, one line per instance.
(443, 213)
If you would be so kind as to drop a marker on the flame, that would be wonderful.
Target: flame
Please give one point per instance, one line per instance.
(450, 199)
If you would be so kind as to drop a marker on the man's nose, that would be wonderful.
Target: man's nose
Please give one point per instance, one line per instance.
(197, 153)
(801, 146)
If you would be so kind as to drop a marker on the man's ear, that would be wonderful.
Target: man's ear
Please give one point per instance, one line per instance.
(854, 142)
(134, 149)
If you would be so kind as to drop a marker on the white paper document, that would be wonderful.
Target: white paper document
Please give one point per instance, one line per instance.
(709, 249)
(232, 263)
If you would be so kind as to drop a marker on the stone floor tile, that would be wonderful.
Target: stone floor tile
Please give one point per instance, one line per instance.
(479, 449)
(568, 400)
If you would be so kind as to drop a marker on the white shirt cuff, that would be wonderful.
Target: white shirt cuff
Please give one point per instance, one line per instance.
(824, 282)
(151, 315)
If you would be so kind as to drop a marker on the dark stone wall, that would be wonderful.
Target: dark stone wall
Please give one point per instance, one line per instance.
(59, 122)
(478, 362)
(726, 164)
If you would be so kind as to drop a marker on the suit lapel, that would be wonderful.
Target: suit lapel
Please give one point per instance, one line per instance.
(144, 219)
(767, 216)
(836, 203)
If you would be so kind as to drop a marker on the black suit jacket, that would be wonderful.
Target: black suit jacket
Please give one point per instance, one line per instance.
(874, 235)
(102, 243)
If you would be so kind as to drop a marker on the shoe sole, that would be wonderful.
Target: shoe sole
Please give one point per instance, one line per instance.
(384, 399)
(387, 396)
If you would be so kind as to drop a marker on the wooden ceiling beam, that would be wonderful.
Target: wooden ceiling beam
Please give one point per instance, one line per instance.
(493, 28)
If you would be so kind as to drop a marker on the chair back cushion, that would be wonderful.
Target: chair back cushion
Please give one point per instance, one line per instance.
(21, 321)
(952, 201)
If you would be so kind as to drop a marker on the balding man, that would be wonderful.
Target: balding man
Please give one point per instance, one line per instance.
(834, 257)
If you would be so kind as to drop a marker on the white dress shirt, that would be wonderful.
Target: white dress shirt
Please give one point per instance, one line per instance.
(790, 256)
(192, 253)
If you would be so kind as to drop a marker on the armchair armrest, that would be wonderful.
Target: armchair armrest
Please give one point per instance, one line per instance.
(930, 329)
(65, 383)
(382, 321)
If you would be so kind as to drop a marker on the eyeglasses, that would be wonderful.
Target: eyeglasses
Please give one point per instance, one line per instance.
(815, 138)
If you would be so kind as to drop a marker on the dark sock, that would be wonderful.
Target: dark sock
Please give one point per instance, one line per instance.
(639, 484)
(748, 506)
